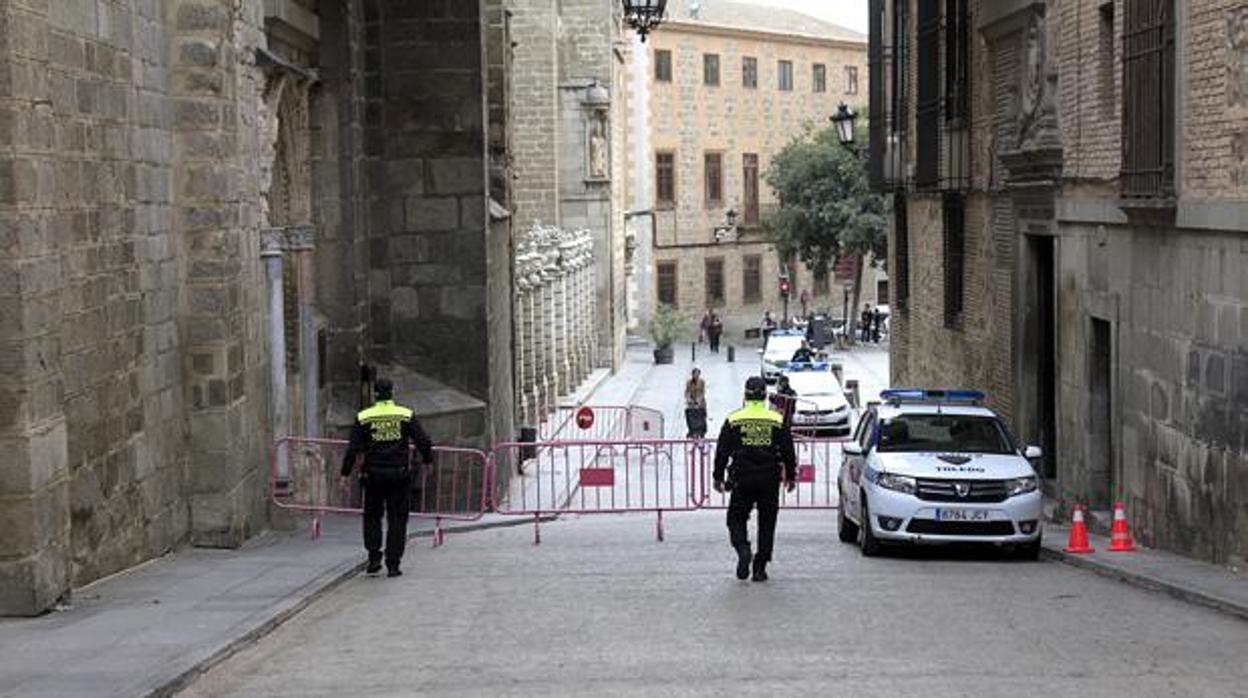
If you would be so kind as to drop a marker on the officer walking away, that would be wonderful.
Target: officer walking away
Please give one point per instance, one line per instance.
(383, 434)
(753, 446)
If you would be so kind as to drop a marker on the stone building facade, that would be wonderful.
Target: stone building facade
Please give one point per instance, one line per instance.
(1068, 235)
(213, 215)
(567, 130)
(708, 107)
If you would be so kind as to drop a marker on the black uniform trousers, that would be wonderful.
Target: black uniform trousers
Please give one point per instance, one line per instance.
(763, 493)
(392, 497)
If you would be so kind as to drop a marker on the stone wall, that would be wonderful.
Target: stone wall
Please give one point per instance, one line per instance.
(432, 245)
(144, 147)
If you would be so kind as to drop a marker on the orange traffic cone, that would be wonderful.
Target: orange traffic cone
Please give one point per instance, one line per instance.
(1078, 534)
(1120, 535)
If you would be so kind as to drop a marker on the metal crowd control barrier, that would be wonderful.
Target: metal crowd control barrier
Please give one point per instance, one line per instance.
(452, 488)
(605, 423)
(601, 477)
(818, 466)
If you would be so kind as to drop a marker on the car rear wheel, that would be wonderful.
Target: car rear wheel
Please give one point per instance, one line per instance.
(866, 537)
(846, 530)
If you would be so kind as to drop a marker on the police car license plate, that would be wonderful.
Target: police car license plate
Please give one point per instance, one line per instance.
(962, 515)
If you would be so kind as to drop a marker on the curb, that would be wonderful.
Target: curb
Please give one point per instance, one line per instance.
(1142, 581)
(319, 588)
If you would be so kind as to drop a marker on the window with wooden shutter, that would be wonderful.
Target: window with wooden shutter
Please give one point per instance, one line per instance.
(784, 75)
(666, 286)
(927, 165)
(819, 77)
(662, 65)
(1148, 114)
(749, 72)
(710, 69)
(751, 278)
(749, 178)
(665, 178)
(851, 79)
(713, 171)
(714, 282)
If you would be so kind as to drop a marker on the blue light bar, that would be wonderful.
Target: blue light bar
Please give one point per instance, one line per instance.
(809, 366)
(900, 395)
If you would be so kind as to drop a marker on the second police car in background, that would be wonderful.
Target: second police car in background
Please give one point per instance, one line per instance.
(937, 467)
(779, 349)
(822, 408)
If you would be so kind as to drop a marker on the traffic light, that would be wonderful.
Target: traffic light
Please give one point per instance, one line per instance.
(785, 288)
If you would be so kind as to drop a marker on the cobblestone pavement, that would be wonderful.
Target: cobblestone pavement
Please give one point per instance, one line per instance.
(601, 609)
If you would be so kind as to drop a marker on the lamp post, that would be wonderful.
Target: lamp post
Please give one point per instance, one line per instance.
(644, 15)
(843, 120)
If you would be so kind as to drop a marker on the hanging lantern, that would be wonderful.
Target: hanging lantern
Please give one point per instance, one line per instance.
(644, 15)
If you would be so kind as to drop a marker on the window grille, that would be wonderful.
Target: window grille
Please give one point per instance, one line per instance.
(1148, 119)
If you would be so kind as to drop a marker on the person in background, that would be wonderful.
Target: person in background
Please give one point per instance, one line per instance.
(714, 332)
(785, 400)
(695, 405)
(704, 326)
(865, 332)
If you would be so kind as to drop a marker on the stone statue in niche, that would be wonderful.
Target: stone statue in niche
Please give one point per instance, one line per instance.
(1037, 110)
(598, 145)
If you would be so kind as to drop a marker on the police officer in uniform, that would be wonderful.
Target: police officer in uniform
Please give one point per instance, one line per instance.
(754, 444)
(383, 434)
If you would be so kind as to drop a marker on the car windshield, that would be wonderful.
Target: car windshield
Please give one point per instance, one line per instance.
(783, 345)
(815, 384)
(944, 433)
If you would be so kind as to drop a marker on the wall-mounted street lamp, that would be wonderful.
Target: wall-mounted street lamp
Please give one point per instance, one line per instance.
(728, 228)
(843, 120)
(644, 15)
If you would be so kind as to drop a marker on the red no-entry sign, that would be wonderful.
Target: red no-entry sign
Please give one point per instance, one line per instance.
(585, 417)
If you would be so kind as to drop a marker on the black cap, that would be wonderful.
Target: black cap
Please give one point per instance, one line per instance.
(755, 388)
(383, 388)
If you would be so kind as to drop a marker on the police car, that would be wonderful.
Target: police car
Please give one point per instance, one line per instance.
(779, 349)
(821, 406)
(934, 466)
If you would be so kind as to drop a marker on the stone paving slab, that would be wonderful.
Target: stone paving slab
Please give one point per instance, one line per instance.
(1197, 582)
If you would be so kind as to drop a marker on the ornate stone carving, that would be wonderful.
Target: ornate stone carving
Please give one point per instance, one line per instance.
(598, 153)
(1037, 108)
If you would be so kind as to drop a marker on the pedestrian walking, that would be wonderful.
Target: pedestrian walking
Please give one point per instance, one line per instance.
(695, 405)
(383, 434)
(865, 332)
(877, 320)
(753, 452)
(769, 324)
(704, 326)
(714, 332)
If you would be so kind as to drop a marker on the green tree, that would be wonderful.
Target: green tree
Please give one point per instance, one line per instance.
(827, 209)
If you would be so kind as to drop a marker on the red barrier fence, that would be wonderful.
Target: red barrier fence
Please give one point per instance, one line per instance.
(599, 477)
(602, 423)
(452, 488)
(560, 477)
(818, 466)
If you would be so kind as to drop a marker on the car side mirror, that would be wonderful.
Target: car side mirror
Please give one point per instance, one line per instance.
(851, 448)
(1032, 452)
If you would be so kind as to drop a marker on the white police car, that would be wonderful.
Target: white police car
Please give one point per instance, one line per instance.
(821, 406)
(934, 466)
(778, 351)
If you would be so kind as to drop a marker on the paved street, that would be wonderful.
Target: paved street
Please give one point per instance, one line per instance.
(601, 608)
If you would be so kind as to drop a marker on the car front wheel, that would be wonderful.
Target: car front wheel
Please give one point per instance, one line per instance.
(1028, 551)
(846, 530)
(866, 537)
